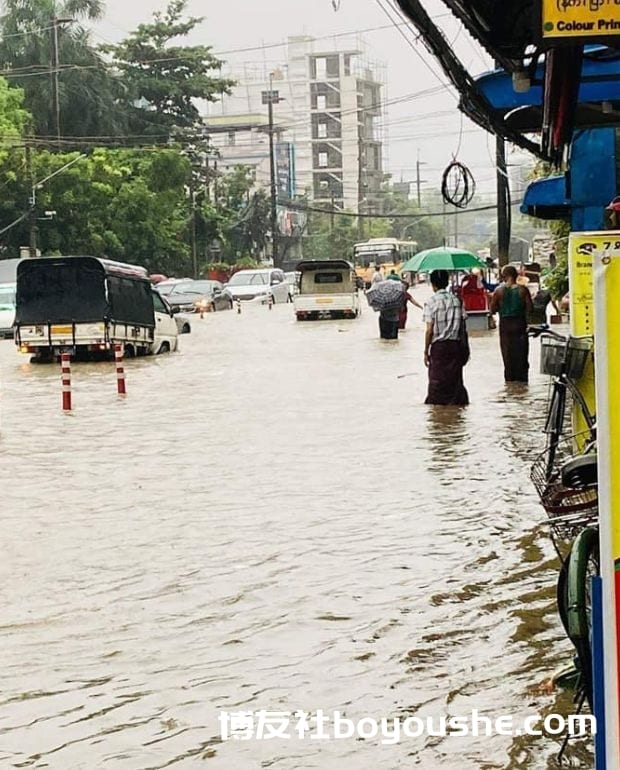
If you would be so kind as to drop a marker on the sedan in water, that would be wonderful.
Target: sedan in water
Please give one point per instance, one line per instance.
(196, 296)
(7, 310)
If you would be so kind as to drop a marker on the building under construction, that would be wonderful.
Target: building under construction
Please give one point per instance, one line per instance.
(327, 120)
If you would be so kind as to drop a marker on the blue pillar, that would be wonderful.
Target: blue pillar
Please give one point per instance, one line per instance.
(591, 178)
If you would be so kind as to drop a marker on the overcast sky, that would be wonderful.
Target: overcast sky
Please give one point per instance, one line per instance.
(431, 125)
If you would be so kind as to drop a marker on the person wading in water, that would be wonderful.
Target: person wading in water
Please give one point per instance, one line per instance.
(444, 353)
(514, 304)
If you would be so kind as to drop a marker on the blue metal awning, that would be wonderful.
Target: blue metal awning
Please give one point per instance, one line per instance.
(600, 82)
(547, 199)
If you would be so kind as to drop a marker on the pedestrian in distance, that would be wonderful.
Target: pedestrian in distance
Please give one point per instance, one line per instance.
(402, 316)
(446, 350)
(393, 276)
(513, 303)
(377, 276)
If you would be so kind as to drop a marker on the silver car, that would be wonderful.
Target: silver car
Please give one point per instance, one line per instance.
(7, 310)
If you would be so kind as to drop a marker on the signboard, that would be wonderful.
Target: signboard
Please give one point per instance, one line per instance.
(580, 19)
(606, 263)
(285, 169)
(581, 249)
(270, 97)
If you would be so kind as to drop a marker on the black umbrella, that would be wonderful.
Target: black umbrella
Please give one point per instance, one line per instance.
(386, 295)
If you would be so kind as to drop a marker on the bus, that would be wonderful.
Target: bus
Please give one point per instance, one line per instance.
(389, 253)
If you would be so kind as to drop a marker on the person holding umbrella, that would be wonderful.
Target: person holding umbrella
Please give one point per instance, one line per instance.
(387, 297)
(444, 350)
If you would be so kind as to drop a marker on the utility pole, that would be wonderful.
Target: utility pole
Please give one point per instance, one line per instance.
(418, 180)
(270, 97)
(332, 217)
(32, 213)
(192, 192)
(55, 69)
(503, 222)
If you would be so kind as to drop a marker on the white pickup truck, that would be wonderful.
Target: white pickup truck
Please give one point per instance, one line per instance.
(327, 289)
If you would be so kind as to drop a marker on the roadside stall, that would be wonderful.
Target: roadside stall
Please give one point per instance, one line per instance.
(469, 288)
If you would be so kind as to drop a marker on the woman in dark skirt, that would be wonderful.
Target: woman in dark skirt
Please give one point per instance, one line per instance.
(514, 304)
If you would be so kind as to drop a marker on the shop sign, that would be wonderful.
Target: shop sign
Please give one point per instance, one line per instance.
(580, 19)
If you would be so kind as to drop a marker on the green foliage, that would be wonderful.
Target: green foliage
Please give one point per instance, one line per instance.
(88, 92)
(162, 79)
(556, 280)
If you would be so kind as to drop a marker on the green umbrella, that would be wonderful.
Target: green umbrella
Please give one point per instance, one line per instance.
(442, 258)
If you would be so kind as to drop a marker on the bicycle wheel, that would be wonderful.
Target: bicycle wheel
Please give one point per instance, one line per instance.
(583, 564)
(562, 596)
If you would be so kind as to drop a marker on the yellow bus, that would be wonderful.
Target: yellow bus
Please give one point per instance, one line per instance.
(388, 253)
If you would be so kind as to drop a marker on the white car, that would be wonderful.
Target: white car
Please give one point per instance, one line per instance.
(166, 338)
(259, 285)
(7, 310)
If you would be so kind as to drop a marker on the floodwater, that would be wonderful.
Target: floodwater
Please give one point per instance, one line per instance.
(271, 520)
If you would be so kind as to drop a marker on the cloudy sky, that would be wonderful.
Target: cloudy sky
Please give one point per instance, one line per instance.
(431, 125)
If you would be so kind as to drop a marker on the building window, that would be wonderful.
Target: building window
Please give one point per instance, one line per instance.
(323, 160)
(347, 64)
(322, 131)
(321, 102)
(231, 138)
(321, 68)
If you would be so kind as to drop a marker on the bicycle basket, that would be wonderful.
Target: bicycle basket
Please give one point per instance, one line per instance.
(568, 509)
(552, 356)
(571, 356)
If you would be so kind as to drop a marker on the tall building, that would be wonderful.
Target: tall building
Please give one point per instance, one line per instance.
(328, 122)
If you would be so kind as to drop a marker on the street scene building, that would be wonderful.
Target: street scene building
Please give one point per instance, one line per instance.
(328, 123)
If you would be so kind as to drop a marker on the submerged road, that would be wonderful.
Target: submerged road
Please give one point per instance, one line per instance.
(272, 519)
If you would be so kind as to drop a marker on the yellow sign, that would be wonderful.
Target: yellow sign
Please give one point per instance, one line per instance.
(606, 265)
(580, 18)
(581, 248)
(62, 329)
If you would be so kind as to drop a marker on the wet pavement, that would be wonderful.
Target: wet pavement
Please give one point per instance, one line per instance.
(271, 519)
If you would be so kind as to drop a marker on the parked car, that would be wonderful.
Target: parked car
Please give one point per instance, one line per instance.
(196, 296)
(7, 310)
(183, 323)
(259, 285)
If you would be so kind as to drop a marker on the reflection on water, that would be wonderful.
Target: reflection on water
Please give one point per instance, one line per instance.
(271, 519)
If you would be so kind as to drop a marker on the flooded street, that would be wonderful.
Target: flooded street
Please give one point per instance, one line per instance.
(271, 519)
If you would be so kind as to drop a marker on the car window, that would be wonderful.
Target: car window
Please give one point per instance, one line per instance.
(328, 278)
(165, 288)
(249, 279)
(158, 304)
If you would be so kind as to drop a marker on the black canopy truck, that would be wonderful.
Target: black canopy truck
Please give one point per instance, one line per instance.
(84, 306)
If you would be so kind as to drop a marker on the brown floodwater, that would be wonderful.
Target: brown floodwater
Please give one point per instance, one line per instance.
(271, 519)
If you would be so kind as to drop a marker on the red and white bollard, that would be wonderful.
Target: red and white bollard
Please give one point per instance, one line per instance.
(120, 370)
(238, 306)
(270, 302)
(65, 364)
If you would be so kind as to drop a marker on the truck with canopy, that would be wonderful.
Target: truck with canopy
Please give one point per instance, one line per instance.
(84, 306)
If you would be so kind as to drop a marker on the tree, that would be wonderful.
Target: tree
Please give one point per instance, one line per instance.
(163, 79)
(88, 93)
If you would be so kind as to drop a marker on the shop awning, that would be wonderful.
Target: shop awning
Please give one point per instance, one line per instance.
(547, 199)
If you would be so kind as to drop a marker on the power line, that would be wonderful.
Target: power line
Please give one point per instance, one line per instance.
(299, 207)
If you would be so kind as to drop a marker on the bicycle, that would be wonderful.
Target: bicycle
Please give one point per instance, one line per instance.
(567, 485)
(564, 359)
